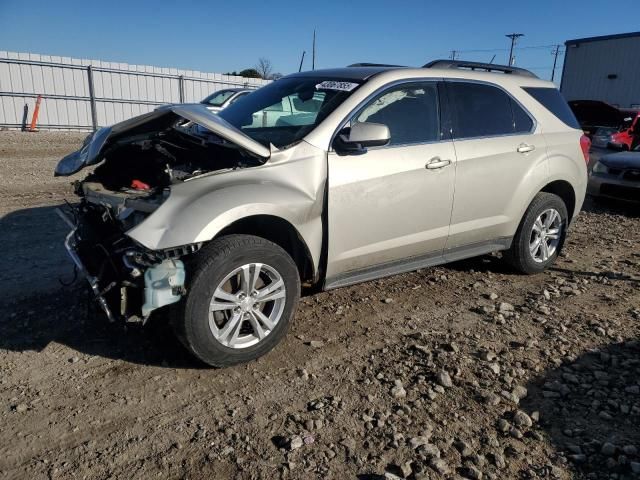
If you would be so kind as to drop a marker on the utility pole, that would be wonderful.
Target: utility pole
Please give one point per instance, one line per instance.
(555, 52)
(514, 38)
(454, 55)
(313, 57)
(301, 60)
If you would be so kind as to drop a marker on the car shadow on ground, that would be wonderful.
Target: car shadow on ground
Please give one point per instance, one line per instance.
(493, 263)
(589, 408)
(611, 207)
(37, 309)
(69, 317)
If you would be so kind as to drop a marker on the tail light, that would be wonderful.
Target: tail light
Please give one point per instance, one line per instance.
(585, 145)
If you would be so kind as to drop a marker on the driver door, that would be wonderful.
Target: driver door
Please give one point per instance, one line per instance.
(392, 203)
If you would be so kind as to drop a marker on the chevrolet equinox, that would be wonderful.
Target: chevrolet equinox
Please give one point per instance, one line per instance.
(319, 180)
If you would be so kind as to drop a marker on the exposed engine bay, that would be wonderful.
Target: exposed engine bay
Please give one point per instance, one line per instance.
(138, 162)
(157, 160)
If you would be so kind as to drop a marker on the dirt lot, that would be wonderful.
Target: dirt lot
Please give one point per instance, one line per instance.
(469, 371)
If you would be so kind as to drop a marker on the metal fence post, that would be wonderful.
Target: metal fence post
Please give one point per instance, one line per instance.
(92, 99)
(181, 88)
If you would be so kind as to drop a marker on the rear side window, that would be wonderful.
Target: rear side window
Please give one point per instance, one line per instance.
(552, 100)
(480, 110)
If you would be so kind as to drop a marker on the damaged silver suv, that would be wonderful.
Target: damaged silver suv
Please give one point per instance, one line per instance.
(316, 181)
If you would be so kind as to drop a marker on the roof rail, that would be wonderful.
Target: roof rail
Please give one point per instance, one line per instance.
(487, 67)
(365, 64)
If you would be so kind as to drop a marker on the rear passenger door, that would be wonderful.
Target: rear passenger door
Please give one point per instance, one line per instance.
(498, 153)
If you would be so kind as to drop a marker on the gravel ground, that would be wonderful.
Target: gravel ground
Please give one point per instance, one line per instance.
(465, 371)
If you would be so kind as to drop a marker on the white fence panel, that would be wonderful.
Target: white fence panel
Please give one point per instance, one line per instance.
(120, 90)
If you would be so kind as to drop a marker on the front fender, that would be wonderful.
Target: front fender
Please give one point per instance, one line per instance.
(197, 210)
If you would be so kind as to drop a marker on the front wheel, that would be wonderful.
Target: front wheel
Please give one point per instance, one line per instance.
(540, 236)
(241, 297)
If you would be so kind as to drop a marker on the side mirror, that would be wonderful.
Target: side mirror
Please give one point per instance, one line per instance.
(360, 136)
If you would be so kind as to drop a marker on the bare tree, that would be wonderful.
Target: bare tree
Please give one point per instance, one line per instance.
(264, 68)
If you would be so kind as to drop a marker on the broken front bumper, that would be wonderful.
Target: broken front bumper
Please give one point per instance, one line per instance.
(69, 245)
(128, 281)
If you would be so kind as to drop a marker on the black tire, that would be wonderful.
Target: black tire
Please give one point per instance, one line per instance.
(210, 266)
(519, 255)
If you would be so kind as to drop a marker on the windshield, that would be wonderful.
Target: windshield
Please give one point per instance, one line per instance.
(284, 111)
(216, 99)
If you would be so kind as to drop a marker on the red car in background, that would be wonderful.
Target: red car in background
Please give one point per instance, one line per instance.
(629, 135)
(606, 125)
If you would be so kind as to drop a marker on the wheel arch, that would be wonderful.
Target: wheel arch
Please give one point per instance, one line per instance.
(282, 233)
(565, 191)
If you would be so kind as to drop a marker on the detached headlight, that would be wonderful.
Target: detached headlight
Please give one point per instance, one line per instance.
(599, 168)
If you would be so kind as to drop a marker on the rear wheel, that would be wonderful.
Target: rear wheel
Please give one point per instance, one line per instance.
(540, 236)
(241, 296)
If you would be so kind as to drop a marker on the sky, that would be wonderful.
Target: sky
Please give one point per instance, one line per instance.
(227, 36)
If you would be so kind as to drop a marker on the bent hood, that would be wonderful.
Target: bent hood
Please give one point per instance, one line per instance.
(95, 144)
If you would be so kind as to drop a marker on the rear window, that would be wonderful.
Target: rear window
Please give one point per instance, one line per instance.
(552, 100)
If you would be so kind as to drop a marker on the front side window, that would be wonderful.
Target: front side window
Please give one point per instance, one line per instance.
(409, 110)
(480, 110)
(286, 110)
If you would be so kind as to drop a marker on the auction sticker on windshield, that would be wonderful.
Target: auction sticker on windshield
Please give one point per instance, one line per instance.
(334, 85)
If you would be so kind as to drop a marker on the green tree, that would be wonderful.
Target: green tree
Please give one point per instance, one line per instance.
(250, 73)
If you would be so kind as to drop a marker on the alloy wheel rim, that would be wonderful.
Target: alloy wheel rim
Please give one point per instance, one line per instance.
(545, 235)
(247, 305)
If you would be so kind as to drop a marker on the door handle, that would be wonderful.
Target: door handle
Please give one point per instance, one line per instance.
(524, 148)
(437, 162)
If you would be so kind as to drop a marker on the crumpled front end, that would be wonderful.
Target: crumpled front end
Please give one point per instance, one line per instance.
(128, 280)
(138, 162)
(170, 182)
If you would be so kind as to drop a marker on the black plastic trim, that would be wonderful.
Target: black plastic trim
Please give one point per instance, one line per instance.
(487, 67)
(413, 263)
